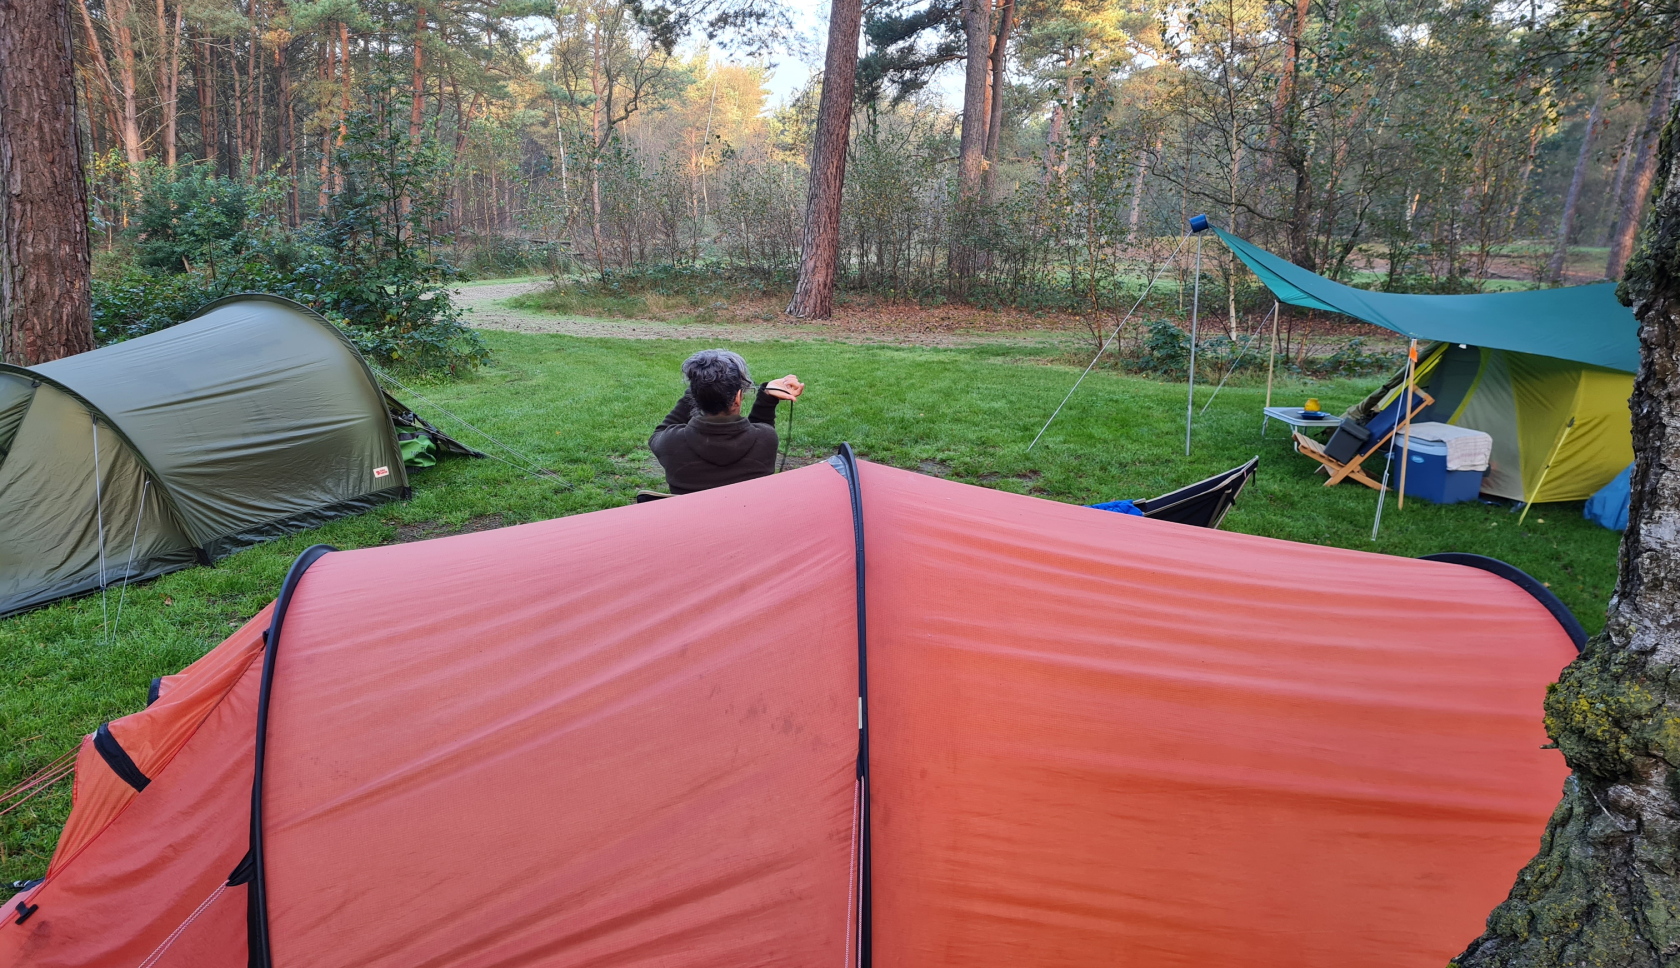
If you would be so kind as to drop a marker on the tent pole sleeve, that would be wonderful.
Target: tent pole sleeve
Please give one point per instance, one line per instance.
(1538, 590)
(1545, 470)
(847, 465)
(261, 952)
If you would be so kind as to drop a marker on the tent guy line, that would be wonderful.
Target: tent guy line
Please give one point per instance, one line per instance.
(1146, 290)
(530, 466)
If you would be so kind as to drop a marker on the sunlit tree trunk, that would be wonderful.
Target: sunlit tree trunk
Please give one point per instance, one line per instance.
(103, 70)
(819, 253)
(1605, 887)
(118, 16)
(168, 76)
(1637, 188)
(971, 148)
(45, 272)
(994, 122)
(1572, 199)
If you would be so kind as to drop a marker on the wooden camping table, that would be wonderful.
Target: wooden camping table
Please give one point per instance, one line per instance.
(1292, 417)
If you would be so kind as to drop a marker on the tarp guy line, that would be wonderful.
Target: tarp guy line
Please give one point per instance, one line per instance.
(1111, 338)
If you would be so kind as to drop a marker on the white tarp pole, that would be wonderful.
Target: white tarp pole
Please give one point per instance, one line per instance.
(1195, 301)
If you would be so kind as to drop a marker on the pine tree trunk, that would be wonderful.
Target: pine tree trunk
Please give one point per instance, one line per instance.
(1605, 887)
(819, 252)
(117, 14)
(971, 148)
(994, 119)
(1640, 177)
(1613, 198)
(1572, 200)
(45, 305)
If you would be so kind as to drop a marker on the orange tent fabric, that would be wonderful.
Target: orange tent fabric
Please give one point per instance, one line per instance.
(630, 738)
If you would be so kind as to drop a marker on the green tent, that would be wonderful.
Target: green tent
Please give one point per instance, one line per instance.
(1546, 373)
(254, 419)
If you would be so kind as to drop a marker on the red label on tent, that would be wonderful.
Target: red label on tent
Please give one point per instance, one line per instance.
(381, 472)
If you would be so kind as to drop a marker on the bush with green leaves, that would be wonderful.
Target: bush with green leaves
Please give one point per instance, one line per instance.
(371, 264)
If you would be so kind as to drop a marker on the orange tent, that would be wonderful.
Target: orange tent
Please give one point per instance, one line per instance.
(633, 738)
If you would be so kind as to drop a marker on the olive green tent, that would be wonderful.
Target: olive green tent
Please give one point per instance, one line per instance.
(254, 419)
(1546, 373)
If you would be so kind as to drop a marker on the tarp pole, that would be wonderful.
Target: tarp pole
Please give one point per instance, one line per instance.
(1195, 302)
(1406, 447)
(1382, 492)
(1528, 503)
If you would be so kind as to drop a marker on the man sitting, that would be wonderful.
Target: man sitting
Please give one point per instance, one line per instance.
(704, 442)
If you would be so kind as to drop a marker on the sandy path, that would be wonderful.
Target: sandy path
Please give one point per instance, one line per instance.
(487, 310)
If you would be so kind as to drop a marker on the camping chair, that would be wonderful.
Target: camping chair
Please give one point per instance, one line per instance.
(1203, 504)
(1382, 428)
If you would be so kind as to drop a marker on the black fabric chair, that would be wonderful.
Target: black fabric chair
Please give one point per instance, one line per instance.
(1203, 504)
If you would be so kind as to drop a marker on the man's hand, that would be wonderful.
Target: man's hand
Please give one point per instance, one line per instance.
(787, 388)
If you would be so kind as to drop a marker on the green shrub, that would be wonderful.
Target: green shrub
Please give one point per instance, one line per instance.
(371, 264)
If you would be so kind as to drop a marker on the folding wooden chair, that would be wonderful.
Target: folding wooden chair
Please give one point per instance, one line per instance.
(1382, 427)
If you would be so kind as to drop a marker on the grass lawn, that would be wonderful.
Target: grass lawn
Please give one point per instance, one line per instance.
(584, 407)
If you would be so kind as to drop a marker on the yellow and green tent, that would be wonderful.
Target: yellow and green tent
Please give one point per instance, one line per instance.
(1546, 373)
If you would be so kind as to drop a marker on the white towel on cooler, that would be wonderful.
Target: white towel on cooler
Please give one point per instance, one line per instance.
(1467, 450)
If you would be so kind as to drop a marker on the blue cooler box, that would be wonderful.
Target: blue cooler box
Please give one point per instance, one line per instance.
(1427, 475)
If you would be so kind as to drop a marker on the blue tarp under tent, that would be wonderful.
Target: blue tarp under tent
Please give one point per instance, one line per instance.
(1546, 373)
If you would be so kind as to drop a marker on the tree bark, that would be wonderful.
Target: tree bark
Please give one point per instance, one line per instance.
(1639, 180)
(99, 66)
(1572, 200)
(1605, 887)
(117, 13)
(1137, 189)
(1613, 198)
(207, 133)
(288, 121)
(168, 76)
(819, 252)
(971, 149)
(45, 268)
(417, 103)
(994, 118)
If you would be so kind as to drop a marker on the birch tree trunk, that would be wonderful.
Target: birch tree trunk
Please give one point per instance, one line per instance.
(1605, 887)
(819, 251)
(45, 272)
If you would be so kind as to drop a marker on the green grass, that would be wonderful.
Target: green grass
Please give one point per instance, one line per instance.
(584, 407)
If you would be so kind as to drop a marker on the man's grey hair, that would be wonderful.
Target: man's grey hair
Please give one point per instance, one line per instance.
(714, 377)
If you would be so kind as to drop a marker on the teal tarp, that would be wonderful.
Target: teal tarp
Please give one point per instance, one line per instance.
(1585, 324)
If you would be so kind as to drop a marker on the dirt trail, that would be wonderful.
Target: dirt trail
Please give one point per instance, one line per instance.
(487, 310)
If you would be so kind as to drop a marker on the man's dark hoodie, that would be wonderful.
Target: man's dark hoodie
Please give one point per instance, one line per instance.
(701, 451)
